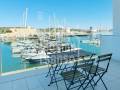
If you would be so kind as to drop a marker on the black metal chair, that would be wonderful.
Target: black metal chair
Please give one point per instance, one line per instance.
(99, 69)
(58, 59)
(74, 78)
(58, 63)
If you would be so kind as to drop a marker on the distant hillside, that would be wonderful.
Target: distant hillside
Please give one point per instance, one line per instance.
(4, 30)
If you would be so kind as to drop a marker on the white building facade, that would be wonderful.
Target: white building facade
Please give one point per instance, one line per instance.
(111, 43)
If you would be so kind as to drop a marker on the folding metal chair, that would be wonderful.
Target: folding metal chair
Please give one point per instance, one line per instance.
(73, 78)
(57, 64)
(99, 69)
(60, 58)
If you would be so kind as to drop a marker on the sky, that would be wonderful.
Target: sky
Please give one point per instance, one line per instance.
(50, 13)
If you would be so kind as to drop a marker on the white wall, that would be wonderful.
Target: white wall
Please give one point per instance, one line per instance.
(116, 17)
(112, 43)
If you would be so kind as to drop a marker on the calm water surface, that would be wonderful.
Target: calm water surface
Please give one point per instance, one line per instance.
(10, 63)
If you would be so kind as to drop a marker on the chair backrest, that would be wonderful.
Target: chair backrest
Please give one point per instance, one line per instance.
(89, 59)
(104, 58)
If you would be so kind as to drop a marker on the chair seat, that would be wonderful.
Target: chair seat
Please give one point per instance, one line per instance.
(83, 65)
(68, 75)
(93, 69)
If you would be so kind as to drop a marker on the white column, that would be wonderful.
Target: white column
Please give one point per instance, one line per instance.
(116, 17)
(112, 43)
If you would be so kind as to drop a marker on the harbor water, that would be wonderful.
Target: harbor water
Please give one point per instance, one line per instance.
(10, 63)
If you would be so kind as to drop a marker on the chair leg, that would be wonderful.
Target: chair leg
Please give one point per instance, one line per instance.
(104, 84)
(93, 81)
(59, 68)
(92, 86)
(100, 78)
(89, 82)
(52, 75)
(48, 72)
(56, 82)
(66, 85)
(51, 81)
(81, 85)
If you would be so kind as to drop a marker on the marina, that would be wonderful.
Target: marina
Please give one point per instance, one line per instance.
(26, 54)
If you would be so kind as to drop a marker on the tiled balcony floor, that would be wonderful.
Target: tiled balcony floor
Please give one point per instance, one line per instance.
(35, 80)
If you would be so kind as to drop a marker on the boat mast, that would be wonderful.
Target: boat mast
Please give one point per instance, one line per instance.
(26, 17)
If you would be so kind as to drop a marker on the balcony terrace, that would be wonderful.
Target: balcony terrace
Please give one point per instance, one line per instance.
(36, 80)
